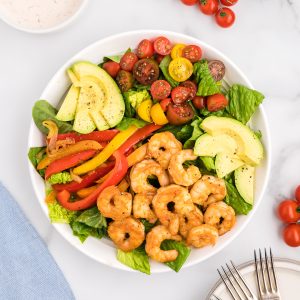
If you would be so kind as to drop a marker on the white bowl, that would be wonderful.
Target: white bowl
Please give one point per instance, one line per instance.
(103, 250)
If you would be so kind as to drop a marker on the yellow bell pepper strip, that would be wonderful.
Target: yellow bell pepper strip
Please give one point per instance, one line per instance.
(123, 186)
(112, 146)
(144, 110)
(118, 173)
(158, 115)
(69, 150)
(86, 191)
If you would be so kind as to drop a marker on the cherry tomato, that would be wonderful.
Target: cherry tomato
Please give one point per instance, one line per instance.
(180, 94)
(124, 80)
(199, 102)
(177, 50)
(146, 71)
(112, 68)
(164, 103)
(180, 69)
(159, 58)
(192, 52)
(189, 2)
(225, 17)
(229, 2)
(162, 45)
(209, 7)
(160, 89)
(291, 235)
(145, 49)
(128, 61)
(192, 86)
(216, 102)
(289, 211)
(297, 194)
(179, 114)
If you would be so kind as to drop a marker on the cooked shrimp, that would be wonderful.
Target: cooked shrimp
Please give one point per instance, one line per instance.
(207, 190)
(169, 202)
(114, 204)
(162, 146)
(127, 234)
(202, 235)
(190, 220)
(220, 215)
(180, 175)
(153, 241)
(141, 171)
(142, 207)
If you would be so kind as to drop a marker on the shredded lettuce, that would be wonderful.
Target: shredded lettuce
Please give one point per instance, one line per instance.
(243, 102)
(127, 122)
(164, 66)
(62, 177)
(59, 214)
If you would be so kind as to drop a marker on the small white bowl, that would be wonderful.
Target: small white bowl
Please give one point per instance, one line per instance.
(103, 250)
(59, 26)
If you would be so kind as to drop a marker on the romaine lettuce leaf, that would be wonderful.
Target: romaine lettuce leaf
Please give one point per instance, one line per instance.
(127, 122)
(92, 217)
(243, 102)
(135, 98)
(35, 155)
(59, 214)
(62, 177)
(164, 66)
(189, 144)
(148, 226)
(208, 162)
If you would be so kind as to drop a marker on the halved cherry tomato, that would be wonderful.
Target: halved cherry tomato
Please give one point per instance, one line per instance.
(179, 114)
(216, 69)
(289, 211)
(177, 50)
(229, 2)
(159, 58)
(128, 60)
(144, 110)
(162, 45)
(192, 52)
(112, 68)
(146, 71)
(145, 49)
(180, 69)
(180, 94)
(192, 86)
(225, 17)
(164, 103)
(189, 2)
(291, 235)
(199, 102)
(157, 115)
(160, 89)
(216, 102)
(124, 80)
(209, 7)
(297, 194)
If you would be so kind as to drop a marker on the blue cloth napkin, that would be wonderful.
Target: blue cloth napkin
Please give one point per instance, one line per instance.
(27, 270)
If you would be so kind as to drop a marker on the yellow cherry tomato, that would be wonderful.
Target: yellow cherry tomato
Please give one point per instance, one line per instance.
(144, 110)
(180, 69)
(158, 115)
(177, 51)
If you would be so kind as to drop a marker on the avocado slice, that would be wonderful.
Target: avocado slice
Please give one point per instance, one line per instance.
(226, 163)
(250, 149)
(244, 181)
(208, 145)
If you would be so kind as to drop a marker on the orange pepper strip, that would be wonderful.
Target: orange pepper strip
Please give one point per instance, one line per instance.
(86, 191)
(51, 197)
(123, 186)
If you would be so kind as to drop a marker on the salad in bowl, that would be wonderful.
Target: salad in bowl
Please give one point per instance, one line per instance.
(150, 149)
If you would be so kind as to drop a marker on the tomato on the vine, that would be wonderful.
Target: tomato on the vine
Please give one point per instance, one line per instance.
(189, 2)
(297, 194)
(291, 235)
(289, 211)
(209, 7)
(229, 2)
(225, 17)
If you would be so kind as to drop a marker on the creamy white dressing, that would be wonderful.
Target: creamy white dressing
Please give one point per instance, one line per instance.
(38, 14)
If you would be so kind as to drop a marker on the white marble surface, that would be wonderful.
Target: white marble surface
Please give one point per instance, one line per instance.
(265, 43)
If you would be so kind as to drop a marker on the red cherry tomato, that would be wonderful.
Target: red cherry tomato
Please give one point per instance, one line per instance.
(229, 2)
(178, 114)
(112, 68)
(192, 86)
(127, 61)
(164, 103)
(297, 194)
(145, 49)
(189, 2)
(162, 45)
(159, 58)
(216, 102)
(225, 17)
(192, 52)
(180, 94)
(199, 102)
(160, 89)
(209, 7)
(291, 235)
(289, 211)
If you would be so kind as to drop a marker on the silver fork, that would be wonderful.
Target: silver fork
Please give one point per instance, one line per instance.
(215, 297)
(235, 284)
(266, 276)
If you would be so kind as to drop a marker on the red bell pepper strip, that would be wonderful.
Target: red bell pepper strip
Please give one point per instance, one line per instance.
(116, 175)
(99, 136)
(87, 180)
(68, 162)
(138, 136)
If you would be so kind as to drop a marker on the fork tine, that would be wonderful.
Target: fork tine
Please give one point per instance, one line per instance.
(257, 274)
(216, 297)
(273, 271)
(232, 284)
(268, 271)
(262, 271)
(227, 285)
(238, 283)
